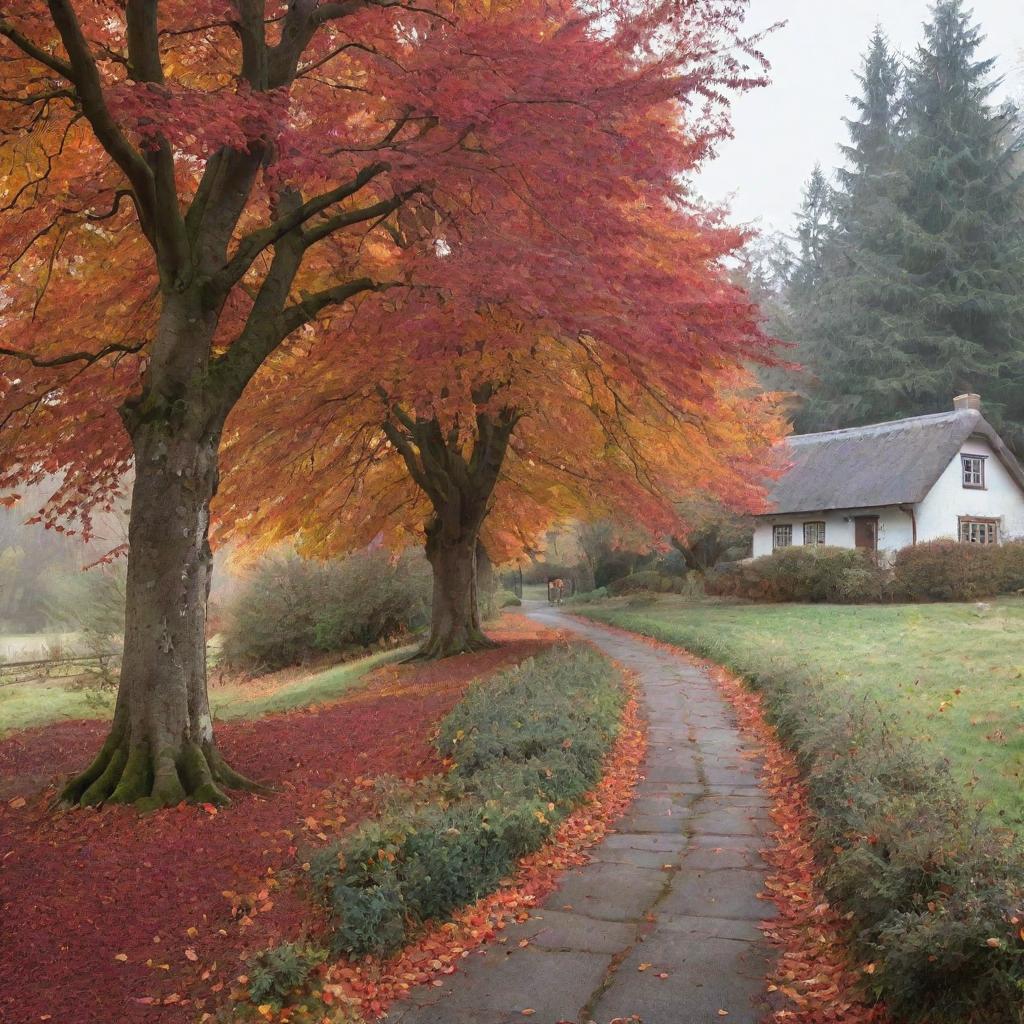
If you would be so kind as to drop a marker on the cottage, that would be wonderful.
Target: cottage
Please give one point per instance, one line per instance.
(888, 485)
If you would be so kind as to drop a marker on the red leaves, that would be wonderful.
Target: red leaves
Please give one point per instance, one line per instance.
(376, 984)
(152, 889)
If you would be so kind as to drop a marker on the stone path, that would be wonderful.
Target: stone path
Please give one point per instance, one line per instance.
(675, 887)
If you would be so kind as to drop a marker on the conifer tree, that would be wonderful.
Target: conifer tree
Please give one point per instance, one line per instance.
(920, 294)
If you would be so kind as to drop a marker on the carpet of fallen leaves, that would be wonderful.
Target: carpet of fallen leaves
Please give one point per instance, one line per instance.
(373, 984)
(815, 973)
(112, 917)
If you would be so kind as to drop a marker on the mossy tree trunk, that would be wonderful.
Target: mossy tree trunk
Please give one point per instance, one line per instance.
(161, 749)
(458, 474)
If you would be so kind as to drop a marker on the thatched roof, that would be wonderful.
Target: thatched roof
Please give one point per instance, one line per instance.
(892, 463)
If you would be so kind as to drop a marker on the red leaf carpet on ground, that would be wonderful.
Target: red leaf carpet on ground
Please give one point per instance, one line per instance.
(110, 917)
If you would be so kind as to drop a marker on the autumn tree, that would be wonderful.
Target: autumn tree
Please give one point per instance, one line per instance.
(192, 186)
(492, 424)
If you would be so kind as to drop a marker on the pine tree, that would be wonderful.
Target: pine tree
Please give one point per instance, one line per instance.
(920, 295)
(813, 234)
(961, 283)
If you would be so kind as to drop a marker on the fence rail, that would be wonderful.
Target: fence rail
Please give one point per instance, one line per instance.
(22, 671)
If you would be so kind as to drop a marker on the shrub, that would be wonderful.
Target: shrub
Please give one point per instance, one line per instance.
(281, 973)
(507, 599)
(945, 570)
(647, 580)
(526, 746)
(934, 895)
(801, 574)
(292, 608)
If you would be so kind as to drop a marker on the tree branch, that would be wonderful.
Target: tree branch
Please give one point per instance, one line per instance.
(250, 247)
(349, 217)
(85, 76)
(73, 357)
(303, 312)
(30, 49)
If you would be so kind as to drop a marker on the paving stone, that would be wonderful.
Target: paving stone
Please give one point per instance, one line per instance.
(496, 989)
(559, 929)
(704, 977)
(610, 892)
(699, 809)
(729, 893)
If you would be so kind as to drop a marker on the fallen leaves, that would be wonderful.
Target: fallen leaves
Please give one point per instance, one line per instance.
(375, 984)
(113, 874)
(814, 970)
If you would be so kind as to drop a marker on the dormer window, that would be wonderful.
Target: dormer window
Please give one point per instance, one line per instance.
(974, 471)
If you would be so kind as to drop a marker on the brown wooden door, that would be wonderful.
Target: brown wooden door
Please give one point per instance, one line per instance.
(865, 532)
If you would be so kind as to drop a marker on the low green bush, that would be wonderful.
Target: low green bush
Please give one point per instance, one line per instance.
(526, 746)
(280, 974)
(648, 581)
(933, 894)
(292, 609)
(507, 599)
(801, 574)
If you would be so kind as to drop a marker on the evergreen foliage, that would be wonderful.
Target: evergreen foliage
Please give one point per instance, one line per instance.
(917, 292)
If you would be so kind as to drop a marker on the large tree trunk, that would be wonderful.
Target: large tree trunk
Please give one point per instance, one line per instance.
(161, 747)
(455, 613)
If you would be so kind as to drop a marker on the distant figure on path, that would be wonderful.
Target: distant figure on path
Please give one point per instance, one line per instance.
(557, 590)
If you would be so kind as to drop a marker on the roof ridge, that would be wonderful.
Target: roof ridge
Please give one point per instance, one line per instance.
(887, 425)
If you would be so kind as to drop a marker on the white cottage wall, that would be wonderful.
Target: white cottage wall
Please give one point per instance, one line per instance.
(895, 529)
(1002, 499)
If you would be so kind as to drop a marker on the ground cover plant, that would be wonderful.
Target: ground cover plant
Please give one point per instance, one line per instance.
(213, 886)
(931, 881)
(525, 747)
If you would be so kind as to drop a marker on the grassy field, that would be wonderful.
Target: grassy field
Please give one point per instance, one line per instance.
(32, 704)
(953, 675)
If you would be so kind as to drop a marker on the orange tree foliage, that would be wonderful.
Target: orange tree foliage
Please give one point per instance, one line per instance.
(191, 186)
(625, 392)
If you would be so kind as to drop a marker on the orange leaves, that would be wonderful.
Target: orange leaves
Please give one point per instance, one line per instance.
(813, 970)
(376, 984)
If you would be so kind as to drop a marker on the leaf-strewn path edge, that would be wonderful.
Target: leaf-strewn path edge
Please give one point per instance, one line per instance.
(815, 972)
(373, 985)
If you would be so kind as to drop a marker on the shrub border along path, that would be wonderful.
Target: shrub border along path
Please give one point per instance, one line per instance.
(934, 897)
(663, 923)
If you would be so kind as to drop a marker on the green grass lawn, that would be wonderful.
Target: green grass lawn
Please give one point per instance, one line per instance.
(953, 674)
(32, 704)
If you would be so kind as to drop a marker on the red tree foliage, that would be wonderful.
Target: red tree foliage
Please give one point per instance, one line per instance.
(194, 185)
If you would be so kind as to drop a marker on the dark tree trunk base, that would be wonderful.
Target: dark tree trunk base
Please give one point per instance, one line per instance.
(438, 647)
(126, 773)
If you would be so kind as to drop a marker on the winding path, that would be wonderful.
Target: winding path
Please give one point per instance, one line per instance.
(663, 923)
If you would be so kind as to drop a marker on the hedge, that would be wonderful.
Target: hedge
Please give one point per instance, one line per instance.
(838, 575)
(935, 896)
(526, 746)
(940, 570)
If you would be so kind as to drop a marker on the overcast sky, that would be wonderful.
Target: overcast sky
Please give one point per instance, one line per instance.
(783, 129)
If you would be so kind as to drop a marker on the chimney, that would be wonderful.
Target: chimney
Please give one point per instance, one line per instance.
(969, 401)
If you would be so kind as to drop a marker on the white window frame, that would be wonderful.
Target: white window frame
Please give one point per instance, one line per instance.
(972, 471)
(819, 533)
(977, 530)
(776, 528)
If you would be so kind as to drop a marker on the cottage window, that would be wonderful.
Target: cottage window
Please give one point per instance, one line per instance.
(782, 536)
(974, 470)
(814, 533)
(979, 531)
